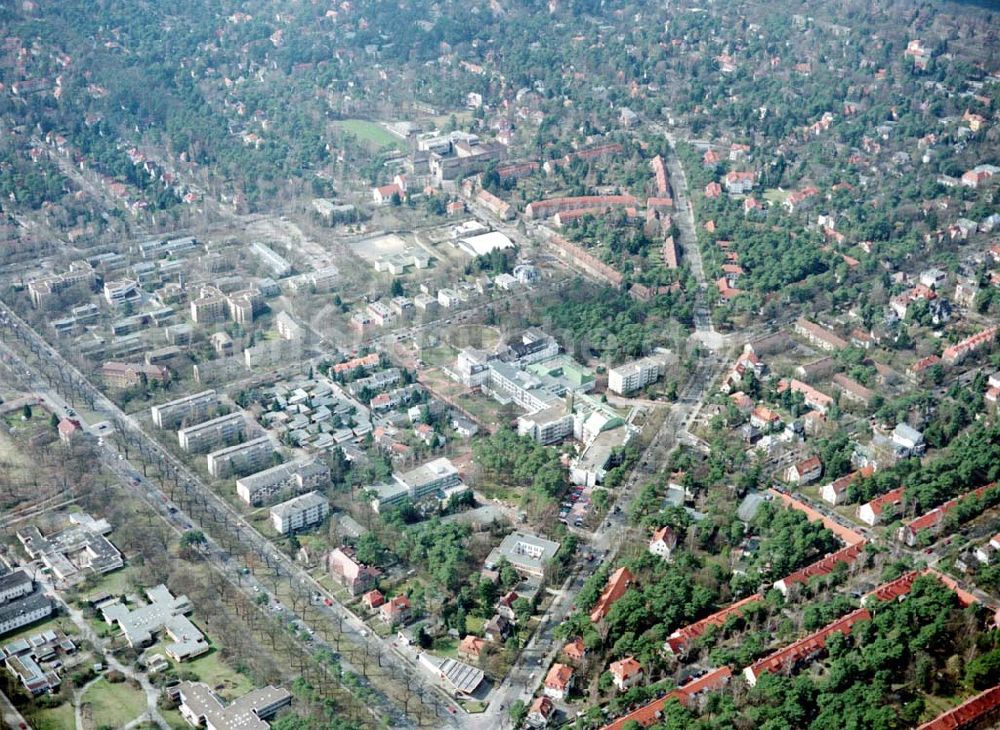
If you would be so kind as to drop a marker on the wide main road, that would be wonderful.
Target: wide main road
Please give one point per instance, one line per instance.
(219, 516)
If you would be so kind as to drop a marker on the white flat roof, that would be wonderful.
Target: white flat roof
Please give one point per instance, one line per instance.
(485, 243)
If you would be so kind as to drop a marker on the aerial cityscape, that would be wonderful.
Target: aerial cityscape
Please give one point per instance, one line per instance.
(591, 364)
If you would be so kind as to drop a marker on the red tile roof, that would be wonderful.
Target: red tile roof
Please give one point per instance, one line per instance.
(682, 637)
(879, 504)
(848, 536)
(625, 668)
(652, 713)
(806, 647)
(966, 713)
(618, 583)
(824, 566)
(559, 677)
(936, 515)
(575, 649)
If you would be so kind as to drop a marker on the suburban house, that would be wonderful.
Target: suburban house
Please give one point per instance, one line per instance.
(558, 682)
(540, 712)
(805, 471)
(626, 673)
(344, 568)
(395, 611)
(871, 513)
(836, 491)
(618, 583)
(471, 647)
(663, 542)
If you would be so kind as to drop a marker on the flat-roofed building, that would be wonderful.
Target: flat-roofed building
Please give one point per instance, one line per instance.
(635, 375)
(79, 549)
(527, 553)
(210, 306)
(207, 435)
(299, 512)
(23, 611)
(191, 408)
(201, 707)
(290, 478)
(164, 612)
(245, 458)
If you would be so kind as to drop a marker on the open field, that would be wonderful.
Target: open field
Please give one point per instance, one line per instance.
(54, 718)
(370, 133)
(214, 672)
(473, 335)
(776, 196)
(113, 705)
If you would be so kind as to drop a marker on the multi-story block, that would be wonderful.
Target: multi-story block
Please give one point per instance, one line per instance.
(223, 430)
(127, 375)
(635, 375)
(293, 477)
(244, 458)
(210, 306)
(244, 305)
(300, 512)
(191, 408)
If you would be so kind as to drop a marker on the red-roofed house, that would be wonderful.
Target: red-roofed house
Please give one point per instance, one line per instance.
(893, 590)
(652, 713)
(663, 542)
(871, 513)
(373, 599)
(713, 190)
(932, 520)
(980, 708)
(917, 369)
(824, 566)
(558, 682)
(738, 183)
(819, 335)
(68, 428)
(618, 583)
(505, 606)
(787, 659)
(812, 397)
(836, 491)
(576, 649)
(764, 418)
(540, 712)
(626, 673)
(805, 471)
(681, 638)
(346, 570)
(958, 352)
(471, 647)
(395, 611)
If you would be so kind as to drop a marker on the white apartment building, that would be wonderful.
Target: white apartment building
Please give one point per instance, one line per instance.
(210, 434)
(191, 407)
(294, 477)
(635, 375)
(299, 512)
(244, 458)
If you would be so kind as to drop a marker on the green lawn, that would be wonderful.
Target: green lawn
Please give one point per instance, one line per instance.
(474, 708)
(175, 719)
(218, 675)
(369, 132)
(114, 705)
(474, 625)
(775, 196)
(55, 718)
(115, 584)
(61, 623)
(446, 647)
